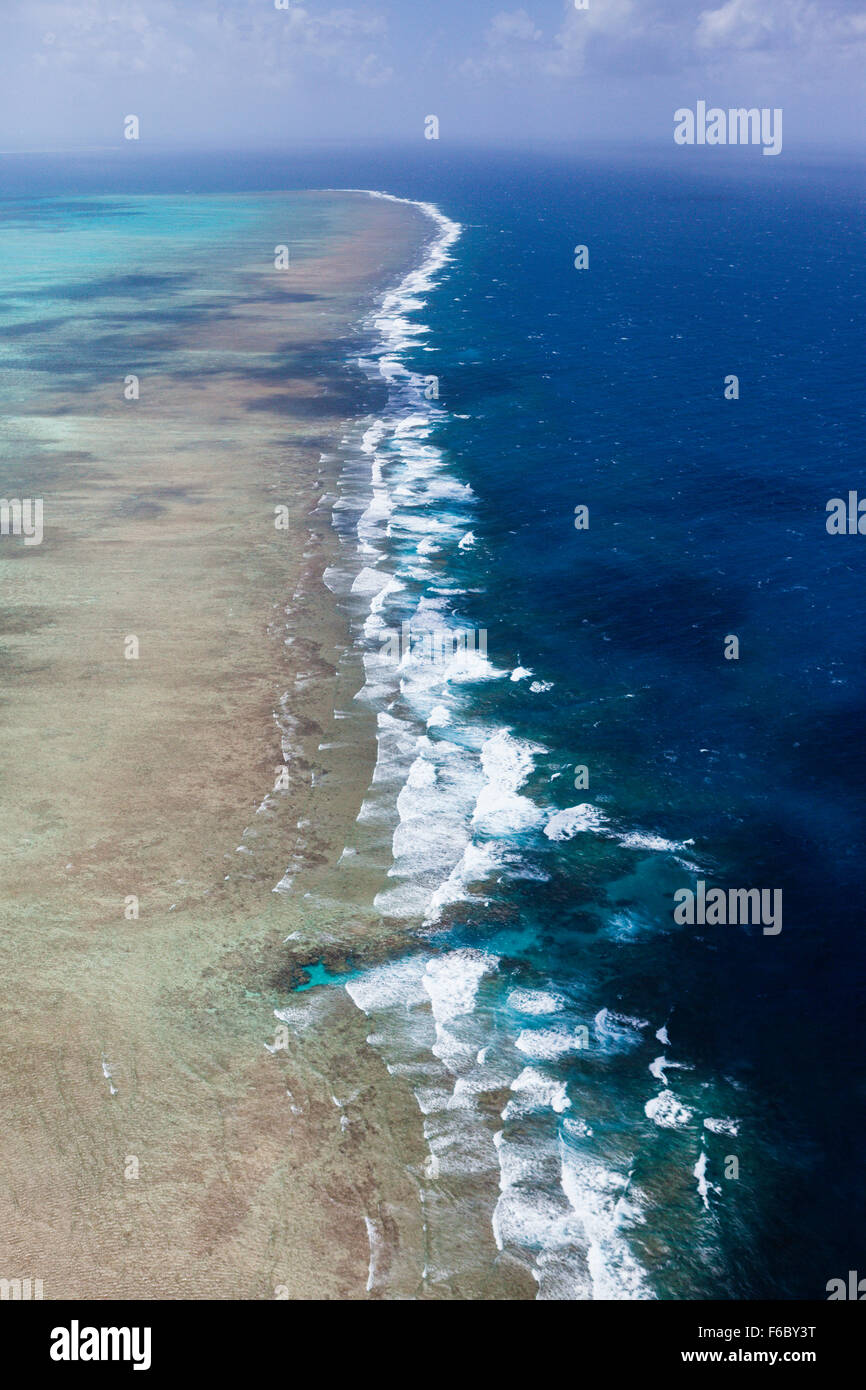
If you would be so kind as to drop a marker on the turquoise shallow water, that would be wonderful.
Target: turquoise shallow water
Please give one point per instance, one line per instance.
(94, 288)
(83, 278)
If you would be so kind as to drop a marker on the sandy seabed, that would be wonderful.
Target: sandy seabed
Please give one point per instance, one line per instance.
(151, 1145)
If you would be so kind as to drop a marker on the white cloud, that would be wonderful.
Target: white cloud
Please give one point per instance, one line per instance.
(614, 22)
(507, 40)
(738, 24)
(645, 37)
(509, 25)
(247, 38)
(752, 25)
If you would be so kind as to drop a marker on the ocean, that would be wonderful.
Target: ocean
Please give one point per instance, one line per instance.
(637, 1107)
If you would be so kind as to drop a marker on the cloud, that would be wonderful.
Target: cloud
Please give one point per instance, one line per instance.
(640, 38)
(507, 38)
(752, 25)
(508, 26)
(246, 38)
(102, 38)
(599, 30)
(738, 24)
(244, 71)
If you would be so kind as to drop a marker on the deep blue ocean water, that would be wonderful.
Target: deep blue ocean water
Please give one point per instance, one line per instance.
(605, 387)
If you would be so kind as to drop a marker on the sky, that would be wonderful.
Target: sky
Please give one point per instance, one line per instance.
(247, 74)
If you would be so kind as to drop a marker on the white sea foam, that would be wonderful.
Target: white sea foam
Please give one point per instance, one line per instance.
(635, 839)
(397, 984)
(564, 825)
(535, 1091)
(549, 1043)
(617, 1033)
(700, 1171)
(372, 436)
(536, 1001)
(452, 808)
(376, 1241)
(660, 1066)
(667, 1112)
(577, 1128)
(476, 863)
(598, 1196)
(507, 762)
(722, 1126)
(452, 981)
(586, 818)
(370, 582)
